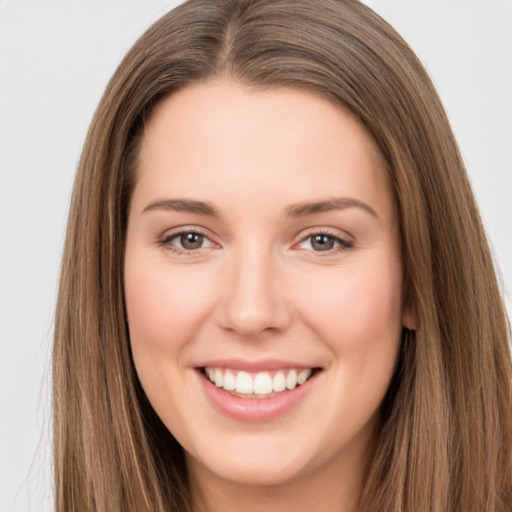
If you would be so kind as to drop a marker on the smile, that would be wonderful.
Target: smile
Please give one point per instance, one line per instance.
(257, 385)
(256, 392)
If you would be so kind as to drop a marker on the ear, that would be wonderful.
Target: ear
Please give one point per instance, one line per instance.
(408, 317)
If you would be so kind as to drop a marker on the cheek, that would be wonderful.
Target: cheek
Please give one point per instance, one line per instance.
(357, 314)
(356, 306)
(160, 300)
(165, 308)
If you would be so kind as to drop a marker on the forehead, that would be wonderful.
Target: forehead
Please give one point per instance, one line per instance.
(219, 136)
(205, 107)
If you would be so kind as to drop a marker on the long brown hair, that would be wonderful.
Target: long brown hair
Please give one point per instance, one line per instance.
(445, 443)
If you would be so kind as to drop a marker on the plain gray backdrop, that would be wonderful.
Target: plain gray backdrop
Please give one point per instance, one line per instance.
(56, 57)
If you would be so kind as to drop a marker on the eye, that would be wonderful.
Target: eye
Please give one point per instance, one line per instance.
(186, 241)
(324, 242)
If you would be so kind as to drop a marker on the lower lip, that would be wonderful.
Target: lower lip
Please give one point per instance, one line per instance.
(255, 409)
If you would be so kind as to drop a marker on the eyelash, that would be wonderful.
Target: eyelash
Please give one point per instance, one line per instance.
(343, 244)
(166, 242)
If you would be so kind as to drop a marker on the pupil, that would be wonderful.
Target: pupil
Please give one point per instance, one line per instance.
(322, 242)
(191, 240)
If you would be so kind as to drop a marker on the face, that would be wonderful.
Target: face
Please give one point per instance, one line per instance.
(263, 281)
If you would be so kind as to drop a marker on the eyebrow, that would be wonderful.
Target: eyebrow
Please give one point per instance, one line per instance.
(337, 203)
(183, 205)
(294, 210)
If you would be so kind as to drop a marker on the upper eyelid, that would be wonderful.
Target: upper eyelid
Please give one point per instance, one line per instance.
(334, 232)
(342, 241)
(173, 232)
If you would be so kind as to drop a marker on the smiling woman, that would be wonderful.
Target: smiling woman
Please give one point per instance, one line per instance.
(285, 294)
(276, 293)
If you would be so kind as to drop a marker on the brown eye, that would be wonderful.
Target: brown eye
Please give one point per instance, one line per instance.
(322, 242)
(186, 243)
(191, 241)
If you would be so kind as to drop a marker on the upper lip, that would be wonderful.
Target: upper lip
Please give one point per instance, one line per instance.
(260, 365)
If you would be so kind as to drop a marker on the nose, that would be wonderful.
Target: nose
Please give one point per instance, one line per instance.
(253, 298)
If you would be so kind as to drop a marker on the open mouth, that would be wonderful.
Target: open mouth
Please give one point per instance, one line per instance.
(258, 385)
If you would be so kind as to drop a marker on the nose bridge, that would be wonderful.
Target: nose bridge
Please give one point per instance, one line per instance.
(253, 299)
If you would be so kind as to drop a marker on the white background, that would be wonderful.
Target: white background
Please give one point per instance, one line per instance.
(55, 59)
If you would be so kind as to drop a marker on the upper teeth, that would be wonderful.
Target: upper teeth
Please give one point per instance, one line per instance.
(262, 383)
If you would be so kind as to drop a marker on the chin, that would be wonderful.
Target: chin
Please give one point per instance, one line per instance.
(256, 464)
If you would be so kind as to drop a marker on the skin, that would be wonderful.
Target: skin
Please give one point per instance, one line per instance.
(258, 288)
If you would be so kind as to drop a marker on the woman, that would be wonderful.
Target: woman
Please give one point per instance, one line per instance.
(276, 289)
